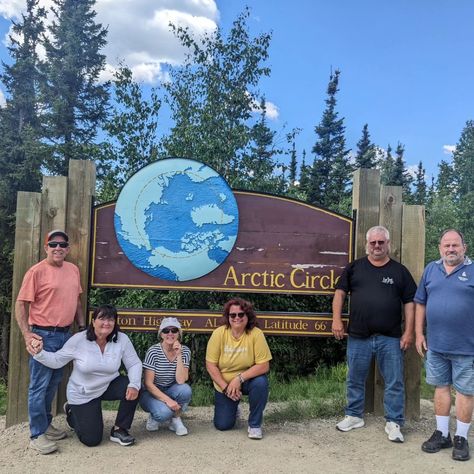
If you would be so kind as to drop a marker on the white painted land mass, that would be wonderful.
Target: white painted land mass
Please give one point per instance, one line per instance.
(210, 214)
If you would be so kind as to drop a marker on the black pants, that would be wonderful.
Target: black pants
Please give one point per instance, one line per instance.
(87, 421)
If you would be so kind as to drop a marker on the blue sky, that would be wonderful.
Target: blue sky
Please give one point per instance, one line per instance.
(406, 66)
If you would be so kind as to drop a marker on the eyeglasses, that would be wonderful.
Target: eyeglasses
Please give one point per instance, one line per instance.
(170, 330)
(376, 242)
(235, 315)
(53, 244)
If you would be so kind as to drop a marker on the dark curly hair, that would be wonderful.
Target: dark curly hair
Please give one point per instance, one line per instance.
(105, 311)
(247, 308)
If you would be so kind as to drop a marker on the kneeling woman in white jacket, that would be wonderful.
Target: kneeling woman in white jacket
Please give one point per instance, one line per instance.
(97, 355)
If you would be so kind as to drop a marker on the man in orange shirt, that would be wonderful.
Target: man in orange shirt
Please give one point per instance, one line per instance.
(47, 304)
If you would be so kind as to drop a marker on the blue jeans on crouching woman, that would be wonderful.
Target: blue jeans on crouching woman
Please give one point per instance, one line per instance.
(179, 392)
(225, 409)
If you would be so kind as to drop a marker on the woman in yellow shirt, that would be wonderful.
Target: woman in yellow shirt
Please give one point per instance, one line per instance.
(238, 360)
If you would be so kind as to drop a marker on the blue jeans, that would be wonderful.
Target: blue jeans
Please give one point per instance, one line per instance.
(44, 383)
(225, 409)
(179, 392)
(389, 359)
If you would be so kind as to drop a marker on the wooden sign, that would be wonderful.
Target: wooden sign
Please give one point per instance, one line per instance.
(271, 323)
(283, 246)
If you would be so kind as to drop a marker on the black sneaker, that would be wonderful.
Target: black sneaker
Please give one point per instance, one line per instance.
(461, 449)
(67, 410)
(437, 442)
(121, 437)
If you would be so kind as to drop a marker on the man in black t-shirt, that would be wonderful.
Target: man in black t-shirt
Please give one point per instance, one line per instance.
(379, 287)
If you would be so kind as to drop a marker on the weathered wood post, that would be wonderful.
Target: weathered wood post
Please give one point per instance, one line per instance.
(65, 203)
(27, 253)
(366, 203)
(382, 205)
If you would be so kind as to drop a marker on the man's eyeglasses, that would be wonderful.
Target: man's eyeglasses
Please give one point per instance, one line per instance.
(170, 330)
(235, 315)
(376, 242)
(53, 245)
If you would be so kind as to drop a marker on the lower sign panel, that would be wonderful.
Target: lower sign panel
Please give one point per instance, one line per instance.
(271, 323)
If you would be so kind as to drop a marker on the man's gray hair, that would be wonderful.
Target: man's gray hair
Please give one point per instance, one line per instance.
(379, 229)
(455, 231)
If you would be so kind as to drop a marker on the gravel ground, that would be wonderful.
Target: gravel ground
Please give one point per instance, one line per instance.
(303, 447)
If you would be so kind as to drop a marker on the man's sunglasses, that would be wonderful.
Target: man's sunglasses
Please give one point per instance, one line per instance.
(235, 315)
(376, 242)
(168, 330)
(53, 245)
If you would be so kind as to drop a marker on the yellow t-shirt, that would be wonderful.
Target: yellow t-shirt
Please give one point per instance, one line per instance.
(232, 355)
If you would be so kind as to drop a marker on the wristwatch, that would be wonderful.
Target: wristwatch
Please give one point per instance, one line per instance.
(242, 380)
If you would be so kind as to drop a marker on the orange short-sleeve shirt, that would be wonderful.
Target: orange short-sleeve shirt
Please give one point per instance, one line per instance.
(52, 293)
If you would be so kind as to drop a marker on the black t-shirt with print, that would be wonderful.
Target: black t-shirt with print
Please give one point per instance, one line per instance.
(377, 295)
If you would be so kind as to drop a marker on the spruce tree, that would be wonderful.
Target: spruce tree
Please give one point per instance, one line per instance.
(74, 100)
(387, 165)
(366, 156)
(445, 184)
(293, 168)
(463, 163)
(420, 194)
(305, 175)
(21, 151)
(331, 170)
(260, 158)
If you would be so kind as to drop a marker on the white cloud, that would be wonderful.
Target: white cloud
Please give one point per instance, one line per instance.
(2, 99)
(449, 149)
(412, 170)
(271, 109)
(138, 31)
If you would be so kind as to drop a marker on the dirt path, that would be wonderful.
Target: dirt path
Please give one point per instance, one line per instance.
(313, 446)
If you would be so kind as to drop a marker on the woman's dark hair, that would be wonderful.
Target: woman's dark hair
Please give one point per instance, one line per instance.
(247, 308)
(105, 311)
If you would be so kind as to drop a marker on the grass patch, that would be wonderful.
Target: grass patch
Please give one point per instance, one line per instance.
(3, 398)
(315, 396)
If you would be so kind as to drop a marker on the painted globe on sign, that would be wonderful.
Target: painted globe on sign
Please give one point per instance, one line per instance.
(176, 219)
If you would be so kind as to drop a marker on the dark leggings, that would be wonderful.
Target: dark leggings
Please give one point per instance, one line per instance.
(87, 421)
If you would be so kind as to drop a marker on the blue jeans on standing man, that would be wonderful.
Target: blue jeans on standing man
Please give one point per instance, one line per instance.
(179, 392)
(225, 409)
(389, 357)
(44, 383)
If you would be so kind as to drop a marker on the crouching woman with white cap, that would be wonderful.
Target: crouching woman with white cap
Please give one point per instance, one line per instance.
(166, 392)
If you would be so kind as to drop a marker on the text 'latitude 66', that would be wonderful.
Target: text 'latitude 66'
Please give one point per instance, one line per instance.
(176, 219)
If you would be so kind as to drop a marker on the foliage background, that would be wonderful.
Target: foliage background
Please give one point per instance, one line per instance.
(57, 109)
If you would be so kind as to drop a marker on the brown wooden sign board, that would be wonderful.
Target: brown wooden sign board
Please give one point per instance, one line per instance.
(271, 323)
(283, 246)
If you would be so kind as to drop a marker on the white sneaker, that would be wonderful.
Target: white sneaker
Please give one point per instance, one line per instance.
(393, 431)
(255, 433)
(350, 423)
(55, 434)
(152, 424)
(177, 426)
(43, 445)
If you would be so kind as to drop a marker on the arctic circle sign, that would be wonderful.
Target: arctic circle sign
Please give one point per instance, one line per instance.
(176, 219)
(177, 225)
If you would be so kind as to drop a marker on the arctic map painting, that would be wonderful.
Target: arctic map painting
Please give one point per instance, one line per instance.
(176, 219)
